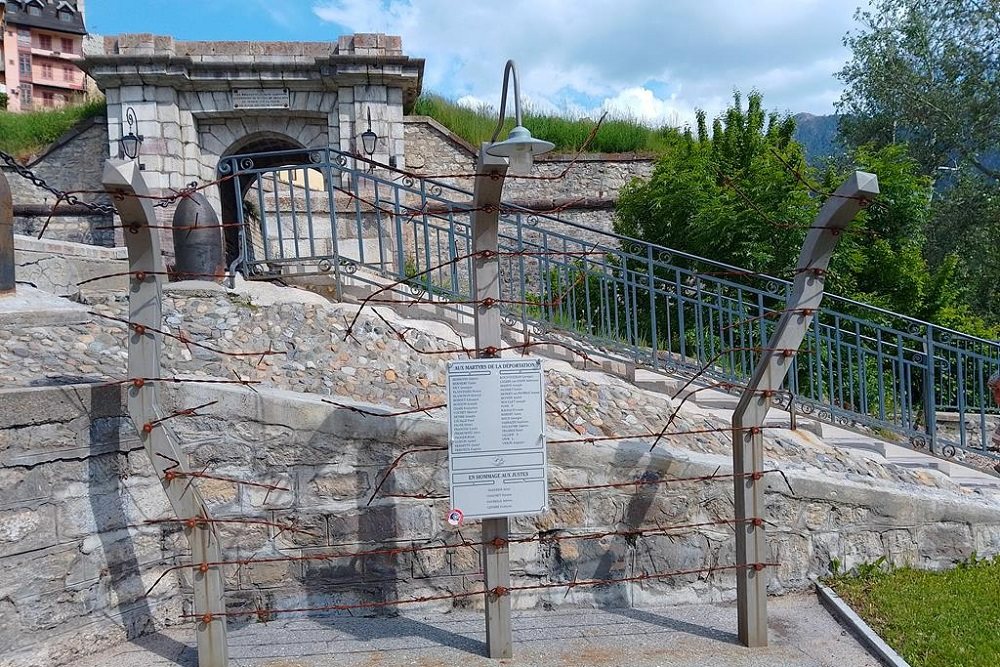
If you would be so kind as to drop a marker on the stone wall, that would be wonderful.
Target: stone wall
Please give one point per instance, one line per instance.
(73, 163)
(583, 187)
(77, 554)
(59, 267)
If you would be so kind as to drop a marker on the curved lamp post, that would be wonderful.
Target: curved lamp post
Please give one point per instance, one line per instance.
(516, 153)
(519, 147)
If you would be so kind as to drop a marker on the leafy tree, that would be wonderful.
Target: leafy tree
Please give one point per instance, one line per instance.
(967, 229)
(927, 72)
(698, 198)
(735, 194)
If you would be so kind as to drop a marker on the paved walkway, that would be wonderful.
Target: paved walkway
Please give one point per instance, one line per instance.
(802, 634)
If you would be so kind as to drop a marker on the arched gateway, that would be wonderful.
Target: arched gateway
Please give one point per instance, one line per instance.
(196, 102)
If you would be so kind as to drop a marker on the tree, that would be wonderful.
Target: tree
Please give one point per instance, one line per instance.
(927, 72)
(737, 195)
(698, 198)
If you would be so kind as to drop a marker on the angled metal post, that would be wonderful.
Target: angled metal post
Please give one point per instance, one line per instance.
(768, 377)
(490, 172)
(7, 282)
(124, 183)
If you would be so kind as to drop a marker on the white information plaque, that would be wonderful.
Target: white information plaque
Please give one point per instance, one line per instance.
(497, 464)
(260, 98)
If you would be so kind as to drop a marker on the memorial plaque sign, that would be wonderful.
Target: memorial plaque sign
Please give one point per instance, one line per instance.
(260, 98)
(496, 437)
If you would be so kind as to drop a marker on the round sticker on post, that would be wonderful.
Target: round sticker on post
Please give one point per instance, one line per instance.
(455, 517)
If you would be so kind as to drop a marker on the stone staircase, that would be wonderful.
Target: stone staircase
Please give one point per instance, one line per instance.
(967, 470)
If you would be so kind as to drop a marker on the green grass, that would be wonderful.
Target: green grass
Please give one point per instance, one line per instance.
(22, 134)
(616, 135)
(932, 619)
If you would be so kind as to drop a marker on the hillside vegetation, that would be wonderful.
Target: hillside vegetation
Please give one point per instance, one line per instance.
(22, 134)
(616, 134)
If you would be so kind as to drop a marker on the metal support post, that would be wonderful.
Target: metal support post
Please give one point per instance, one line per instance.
(767, 379)
(7, 283)
(486, 287)
(124, 183)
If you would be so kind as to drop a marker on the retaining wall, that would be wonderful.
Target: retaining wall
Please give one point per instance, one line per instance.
(76, 555)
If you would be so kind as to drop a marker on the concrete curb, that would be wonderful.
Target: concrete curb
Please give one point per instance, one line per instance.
(843, 613)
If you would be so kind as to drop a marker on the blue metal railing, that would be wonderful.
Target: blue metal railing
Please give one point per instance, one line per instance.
(611, 295)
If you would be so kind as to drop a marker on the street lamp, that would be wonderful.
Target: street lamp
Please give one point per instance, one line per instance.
(368, 140)
(519, 147)
(491, 167)
(130, 142)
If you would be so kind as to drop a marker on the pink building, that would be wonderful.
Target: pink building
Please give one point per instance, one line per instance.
(42, 44)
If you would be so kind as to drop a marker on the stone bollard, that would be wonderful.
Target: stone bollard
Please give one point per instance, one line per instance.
(198, 249)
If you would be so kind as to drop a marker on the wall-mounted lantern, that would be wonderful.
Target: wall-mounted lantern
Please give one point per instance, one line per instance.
(130, 143)
(369, 139)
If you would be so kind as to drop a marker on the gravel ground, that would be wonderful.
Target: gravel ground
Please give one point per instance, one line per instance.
(802, 634)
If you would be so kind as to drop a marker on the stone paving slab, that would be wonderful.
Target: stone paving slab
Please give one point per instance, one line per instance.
(802, 634)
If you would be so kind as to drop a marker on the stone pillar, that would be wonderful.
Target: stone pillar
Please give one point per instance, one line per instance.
(385, 103)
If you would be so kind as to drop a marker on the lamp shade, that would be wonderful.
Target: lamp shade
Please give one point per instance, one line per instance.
(130, 145)
(368, 139)
(520, 147)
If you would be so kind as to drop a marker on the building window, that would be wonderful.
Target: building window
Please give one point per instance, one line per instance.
(25, 89)
(67, 45)
(45, 42)
(46, 71)
(25, 60)
(67, 73)
(48, 99)
(65, 17)
(23, 37)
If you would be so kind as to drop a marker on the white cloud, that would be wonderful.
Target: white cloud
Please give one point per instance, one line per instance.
(578, 54)
(643, 105)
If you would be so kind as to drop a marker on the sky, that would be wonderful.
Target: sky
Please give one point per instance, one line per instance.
(656, 60)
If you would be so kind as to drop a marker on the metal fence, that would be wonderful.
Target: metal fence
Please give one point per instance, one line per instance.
(321, 214)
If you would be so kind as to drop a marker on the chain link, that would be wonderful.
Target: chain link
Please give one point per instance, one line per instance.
(72, 199)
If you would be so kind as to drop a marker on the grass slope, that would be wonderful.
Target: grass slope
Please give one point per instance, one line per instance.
(616, 135)
(22, 134)
(932, 619)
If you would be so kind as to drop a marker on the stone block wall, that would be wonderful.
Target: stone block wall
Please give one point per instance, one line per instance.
(78, 494)
(73, 163)
(75, 555)
(584, 188)
(58, 267)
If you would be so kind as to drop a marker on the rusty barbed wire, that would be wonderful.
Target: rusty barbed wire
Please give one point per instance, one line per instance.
(497, 592)
(527, 177)
(139, 382)
(464, 543)
(200, 521)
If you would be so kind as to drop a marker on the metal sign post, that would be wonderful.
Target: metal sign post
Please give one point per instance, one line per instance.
(776, 359)
(490, 172)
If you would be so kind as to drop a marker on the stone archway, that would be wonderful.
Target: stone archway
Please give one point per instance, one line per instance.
(280, 150)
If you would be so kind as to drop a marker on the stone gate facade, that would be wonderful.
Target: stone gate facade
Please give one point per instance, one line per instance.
(195, 102)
